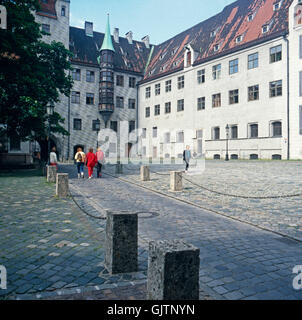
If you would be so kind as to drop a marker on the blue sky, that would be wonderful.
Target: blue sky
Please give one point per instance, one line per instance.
(160, 19)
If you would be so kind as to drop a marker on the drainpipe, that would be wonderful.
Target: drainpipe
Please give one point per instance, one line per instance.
(287, 79)
(136, 105)
(68, 127)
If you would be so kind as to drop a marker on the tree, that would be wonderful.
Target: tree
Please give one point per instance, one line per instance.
(33, 74)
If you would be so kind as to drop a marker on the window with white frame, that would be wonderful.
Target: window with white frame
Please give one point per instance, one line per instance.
(253, 130)
(216, 100)
(148, 92)
(157, 89)
(234, 96)
(276, 129)
(201, 103)
(253, 93)
(216, 71)
(233, 66)
(90, 76)
(201, 76)
(234, 132)
(253, 60)
(75, 97)
(181, 82)
(147, 112)
(157, 110)
(168, 85)
(168, 107)
(276, 54)
(180, 137)
(275, 88)
(216, 133)
(180, 105)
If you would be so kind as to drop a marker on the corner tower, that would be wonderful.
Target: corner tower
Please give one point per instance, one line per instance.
(106, 105)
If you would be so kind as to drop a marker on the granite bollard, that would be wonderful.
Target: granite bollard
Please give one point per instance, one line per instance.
(121, 242)
(62, 185)
(175, 181)
(173, 271)
(51, 174)
(145, 173)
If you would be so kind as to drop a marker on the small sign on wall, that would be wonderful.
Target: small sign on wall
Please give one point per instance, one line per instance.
(3, 18)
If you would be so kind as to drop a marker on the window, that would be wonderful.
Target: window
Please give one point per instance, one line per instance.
(216, 71)
(154, 132)
(276, 129)
(233, 66)
(89, 98)
(76, 74)
(89, 76)
(75, 97)
(276, 6)
(180, 105)
(107, 76)
(168, 107)
(234, 132)
(275, 88)
(113, 125)
(253, 132)
(14, 143)
(131, 126)
(276, 54)
(119, 102)
(239, 39)
(254, 157)
(253, 61)
(132, 82)
(168, 85)
(63, 11)
(131, 104)
(167, 137)
(234, 96)
(148, 92)
(250, 17)
(157, 89)
(253, 93)
(77, 124)
(181, 82)
(265, 28)
(120, 80)
(201, 103)
(201, 76)
(300, 119)
(157, 110)
(46, 28)
(216, 47)
(180, 137)
(216, 100)
(147, 112)
(216, 133)
(95, 124)
(300, 83)
(144, 133)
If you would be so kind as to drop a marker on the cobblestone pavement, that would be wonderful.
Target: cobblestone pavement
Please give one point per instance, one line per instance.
(238, 261)
(243, 178)
(50, 248)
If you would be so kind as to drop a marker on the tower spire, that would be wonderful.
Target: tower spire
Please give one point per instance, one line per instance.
(107, 42)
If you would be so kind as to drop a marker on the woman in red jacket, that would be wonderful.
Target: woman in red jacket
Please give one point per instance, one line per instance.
(91, 161)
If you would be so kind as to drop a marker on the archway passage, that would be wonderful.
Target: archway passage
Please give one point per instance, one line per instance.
(44, 149)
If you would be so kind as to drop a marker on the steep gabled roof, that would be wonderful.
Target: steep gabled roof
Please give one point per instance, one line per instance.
(221, 31)
(128, 57)
(48, 9)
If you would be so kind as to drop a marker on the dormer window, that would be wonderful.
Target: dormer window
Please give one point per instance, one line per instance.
(250, 17)
(239, 39)
(298, 15)
(216, 47)
(213, 34)
(265, 28)
(277, 5)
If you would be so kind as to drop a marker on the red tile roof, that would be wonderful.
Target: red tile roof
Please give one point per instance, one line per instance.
(229, 24)
(48, 9)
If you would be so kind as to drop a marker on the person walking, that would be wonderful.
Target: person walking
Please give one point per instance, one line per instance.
(100, 161)
(187, 157)
(91, 161)
(53, 160)
(80, 161)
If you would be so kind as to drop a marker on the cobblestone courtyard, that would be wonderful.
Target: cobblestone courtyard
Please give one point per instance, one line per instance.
(52, 249)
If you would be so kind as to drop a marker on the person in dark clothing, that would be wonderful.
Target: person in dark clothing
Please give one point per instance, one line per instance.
(187, 157)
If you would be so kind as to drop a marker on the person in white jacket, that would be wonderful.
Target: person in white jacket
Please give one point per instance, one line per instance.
(53, 157)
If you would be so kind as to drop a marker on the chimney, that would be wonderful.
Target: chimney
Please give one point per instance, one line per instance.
(116, 35)
(89, 29)
(146, 41)
(129, 36)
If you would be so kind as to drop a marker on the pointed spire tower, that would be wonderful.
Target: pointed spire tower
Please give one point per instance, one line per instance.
(106, 105)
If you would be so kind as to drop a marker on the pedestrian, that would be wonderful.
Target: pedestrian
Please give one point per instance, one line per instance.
(91, 161)
(187, 157)
(53, 160)
(80, 161)
(100, 158)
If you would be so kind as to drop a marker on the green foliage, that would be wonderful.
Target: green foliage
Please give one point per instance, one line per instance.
(32, 74)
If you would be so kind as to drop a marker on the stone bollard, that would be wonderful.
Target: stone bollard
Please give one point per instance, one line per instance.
(118, 168)
(51, 174)
(175, 181)
(145, 173)
(121, 242)
(173, 271)
(62, 185)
